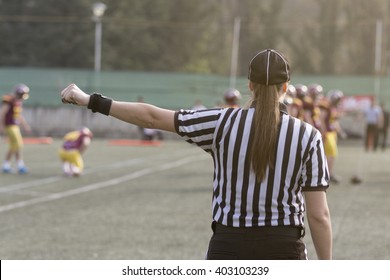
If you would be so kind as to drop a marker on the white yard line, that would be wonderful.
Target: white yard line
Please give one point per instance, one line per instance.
(30, 184)
(49, 180)
(101, 185)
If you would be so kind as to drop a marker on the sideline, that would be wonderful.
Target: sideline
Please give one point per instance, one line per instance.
(101, 185)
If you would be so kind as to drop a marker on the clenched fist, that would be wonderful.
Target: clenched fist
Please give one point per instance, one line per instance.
(73, 95)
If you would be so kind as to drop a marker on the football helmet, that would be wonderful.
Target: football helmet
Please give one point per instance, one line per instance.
(301, 90)
(315, 90)
(22, 91)
(291, 91)
(232, 96)
(335, 95)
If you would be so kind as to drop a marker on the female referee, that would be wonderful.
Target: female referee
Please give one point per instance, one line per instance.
(269, 168)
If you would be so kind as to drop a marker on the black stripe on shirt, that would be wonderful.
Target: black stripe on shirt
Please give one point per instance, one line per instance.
(217, 170)
(236, 154)
(285, 165)
(225, 164)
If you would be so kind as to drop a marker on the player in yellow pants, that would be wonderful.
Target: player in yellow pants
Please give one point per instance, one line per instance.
(75, 143)
(331, 128)
(10, 120)
(330, 144)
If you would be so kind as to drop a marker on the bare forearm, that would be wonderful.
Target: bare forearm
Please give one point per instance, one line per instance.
(318, 216)
(321, 232)
(142, 114)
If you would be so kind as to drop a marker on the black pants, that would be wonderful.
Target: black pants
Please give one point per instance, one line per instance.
(371, 137)
(382, 138)
(263, 243)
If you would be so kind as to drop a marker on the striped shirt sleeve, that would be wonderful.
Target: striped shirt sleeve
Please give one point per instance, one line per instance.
(315, 174)
(197, 127)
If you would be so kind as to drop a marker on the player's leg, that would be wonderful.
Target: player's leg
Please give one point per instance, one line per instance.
(15, 142)
(65, 158)
(331, 152)
(76, 163)
(18, 148)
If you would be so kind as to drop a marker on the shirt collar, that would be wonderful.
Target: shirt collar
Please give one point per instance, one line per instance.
(283, 108)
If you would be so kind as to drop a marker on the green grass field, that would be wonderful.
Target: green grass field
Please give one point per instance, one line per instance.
(136, 202)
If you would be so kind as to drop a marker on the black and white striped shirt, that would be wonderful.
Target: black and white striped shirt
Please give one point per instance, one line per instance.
(238, 200)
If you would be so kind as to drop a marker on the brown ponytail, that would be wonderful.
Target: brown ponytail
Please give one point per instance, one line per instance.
(266, 123)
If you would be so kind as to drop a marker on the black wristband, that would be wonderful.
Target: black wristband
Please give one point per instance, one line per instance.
(100, 103)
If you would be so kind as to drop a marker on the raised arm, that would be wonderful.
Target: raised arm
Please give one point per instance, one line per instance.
(140, 114)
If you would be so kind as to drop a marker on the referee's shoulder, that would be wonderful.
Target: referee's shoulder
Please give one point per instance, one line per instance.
(308, 128)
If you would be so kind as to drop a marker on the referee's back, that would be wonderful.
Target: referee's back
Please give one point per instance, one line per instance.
(240, 201)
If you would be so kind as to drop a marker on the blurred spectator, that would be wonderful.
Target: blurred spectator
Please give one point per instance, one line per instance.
(384, 127)
(373, 117)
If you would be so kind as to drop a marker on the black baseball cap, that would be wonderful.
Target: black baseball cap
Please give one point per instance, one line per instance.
(269, 67)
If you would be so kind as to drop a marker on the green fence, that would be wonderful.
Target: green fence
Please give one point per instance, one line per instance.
(169, 90)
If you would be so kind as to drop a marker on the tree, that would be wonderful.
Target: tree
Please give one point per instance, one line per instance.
(318, 37)
(46, 33)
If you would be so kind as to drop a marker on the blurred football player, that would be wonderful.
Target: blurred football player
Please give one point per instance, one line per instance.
(232, 98)
(75, 143)
(11, 119)
(294, 104)
(311, 108)
(331, 128)
(300, 97)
